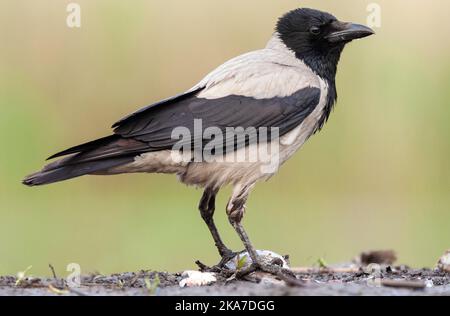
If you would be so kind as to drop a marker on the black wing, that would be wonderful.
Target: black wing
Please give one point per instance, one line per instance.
(154, 125)
(150, 129)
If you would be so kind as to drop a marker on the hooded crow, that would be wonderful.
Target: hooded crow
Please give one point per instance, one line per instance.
(279, 96)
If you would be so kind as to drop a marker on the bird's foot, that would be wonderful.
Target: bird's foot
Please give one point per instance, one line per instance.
(221, 267)
(275, 269)
(268, 265)
(227, 257)
(240, 266)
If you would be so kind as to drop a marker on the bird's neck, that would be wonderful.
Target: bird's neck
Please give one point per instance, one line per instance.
(324, 65)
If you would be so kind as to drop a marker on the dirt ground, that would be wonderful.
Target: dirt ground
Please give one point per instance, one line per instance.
(317, 281)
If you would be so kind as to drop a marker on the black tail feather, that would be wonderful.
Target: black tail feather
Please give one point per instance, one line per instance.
(93, 157)
(86, 146)
(49, 175)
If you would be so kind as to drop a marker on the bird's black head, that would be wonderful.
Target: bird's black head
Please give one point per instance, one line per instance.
(318, 38)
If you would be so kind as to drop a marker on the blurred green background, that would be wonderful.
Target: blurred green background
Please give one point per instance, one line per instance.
(376, 177)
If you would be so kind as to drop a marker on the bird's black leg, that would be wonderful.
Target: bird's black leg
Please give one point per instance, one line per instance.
(235, 211)
(207, 207)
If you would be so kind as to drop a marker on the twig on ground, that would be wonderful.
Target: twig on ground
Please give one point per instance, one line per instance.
(203, 267)
(404, 284)
(325, 270)
(285, 275)
(59, 283)
(53, 271)
(136, 277)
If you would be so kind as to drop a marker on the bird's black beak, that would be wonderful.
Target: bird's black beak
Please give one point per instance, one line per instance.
(346, 32)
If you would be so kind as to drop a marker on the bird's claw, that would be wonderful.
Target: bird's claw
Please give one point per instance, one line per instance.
(221, 266)
(274, 269)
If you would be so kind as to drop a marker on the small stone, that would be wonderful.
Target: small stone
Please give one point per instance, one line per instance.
(444, 262)
(196, 278)
(386, 257)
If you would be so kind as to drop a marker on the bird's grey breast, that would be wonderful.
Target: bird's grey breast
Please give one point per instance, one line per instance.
(293, 140)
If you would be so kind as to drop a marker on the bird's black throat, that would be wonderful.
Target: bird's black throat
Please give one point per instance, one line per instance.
(325, 66)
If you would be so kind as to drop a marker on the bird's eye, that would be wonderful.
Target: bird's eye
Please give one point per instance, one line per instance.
(315, 30)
